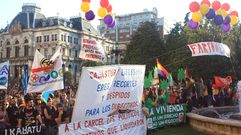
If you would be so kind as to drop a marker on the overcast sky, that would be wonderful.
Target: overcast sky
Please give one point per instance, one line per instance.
(174, 10)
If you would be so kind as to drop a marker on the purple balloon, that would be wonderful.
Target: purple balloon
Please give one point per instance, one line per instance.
(227, 20)
(112, 25)
(210, 14)
(225, 27)
(218, 19)
(108, 19)
(89, 15)
(192, 24)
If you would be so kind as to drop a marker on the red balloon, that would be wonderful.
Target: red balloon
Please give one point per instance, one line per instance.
(235, 13)
(206, 2)
(216, 5)
(194, 6)
(104, 3)
(109, 8)
(86, 1)
(225, 6)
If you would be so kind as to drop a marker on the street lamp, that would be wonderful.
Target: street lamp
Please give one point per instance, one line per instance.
(116, 44)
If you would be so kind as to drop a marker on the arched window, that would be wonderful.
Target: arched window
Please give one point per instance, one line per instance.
(8, 43)
(16, 42)
(26, 41)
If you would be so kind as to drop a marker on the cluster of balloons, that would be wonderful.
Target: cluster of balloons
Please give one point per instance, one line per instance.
(219, 13)
(85, 7)
(104, 12)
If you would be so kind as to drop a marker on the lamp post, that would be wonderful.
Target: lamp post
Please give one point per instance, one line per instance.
(116, 44)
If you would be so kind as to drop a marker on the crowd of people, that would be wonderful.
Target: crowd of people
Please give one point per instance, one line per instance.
(18, 110)
(28, 110)
(195, 93)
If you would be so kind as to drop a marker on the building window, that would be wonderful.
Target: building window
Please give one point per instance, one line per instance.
(17, 51)
(69, 52)
(75, 40)
(62, 37)
(8, 43)
(69, 39)
(70, 67)
(54, 37)
(26, 41)
(16, 42)
(39, 39)
(8, 52)
(53, 50)
(46, 38)
(1, 43)
(76, 53)
(26, 50)
(1, 55)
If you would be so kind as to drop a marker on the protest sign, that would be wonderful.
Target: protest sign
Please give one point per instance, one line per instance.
(103, 91)
(92, 50)
(165, 115)
(4, 71)
(209, 48)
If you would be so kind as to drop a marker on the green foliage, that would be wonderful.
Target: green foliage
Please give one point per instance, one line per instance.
(145, 44)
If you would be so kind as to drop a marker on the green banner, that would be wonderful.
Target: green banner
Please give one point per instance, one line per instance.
(166, 115)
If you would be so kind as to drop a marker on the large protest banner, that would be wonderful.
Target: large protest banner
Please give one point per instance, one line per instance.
(166, 115)
(46, 74)
(92, 50)
(209, 48)
(4, 71)
(102, 91)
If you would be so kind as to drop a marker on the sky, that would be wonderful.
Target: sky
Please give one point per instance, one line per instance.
(173, 10)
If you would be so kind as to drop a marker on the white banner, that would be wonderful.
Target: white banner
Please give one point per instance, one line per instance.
(4, 71)
(46, 74)
(209, 48)
(104, 90)
(92, 50)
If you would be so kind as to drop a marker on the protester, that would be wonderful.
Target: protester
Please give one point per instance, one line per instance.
(29, 116)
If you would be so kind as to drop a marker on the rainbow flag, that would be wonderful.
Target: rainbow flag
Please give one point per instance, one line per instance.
(161, 70)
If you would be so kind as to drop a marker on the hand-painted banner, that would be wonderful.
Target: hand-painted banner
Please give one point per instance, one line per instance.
(4, 71)
(104, 90)
(46, 74)
(166, 115)
(92, 50)
(209, 48)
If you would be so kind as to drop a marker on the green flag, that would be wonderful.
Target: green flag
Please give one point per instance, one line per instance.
(148, 80)
(147, 83)
(163, 85)
(170, 80)
(155, 72)
(181, 74)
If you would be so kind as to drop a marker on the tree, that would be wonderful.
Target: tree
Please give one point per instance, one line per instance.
(205, 66)
(144, 46)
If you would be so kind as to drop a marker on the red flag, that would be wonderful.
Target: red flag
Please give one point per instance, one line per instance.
(186, 73)
(222, 82)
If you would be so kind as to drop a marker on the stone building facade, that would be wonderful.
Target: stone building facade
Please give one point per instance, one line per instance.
(31, 30)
